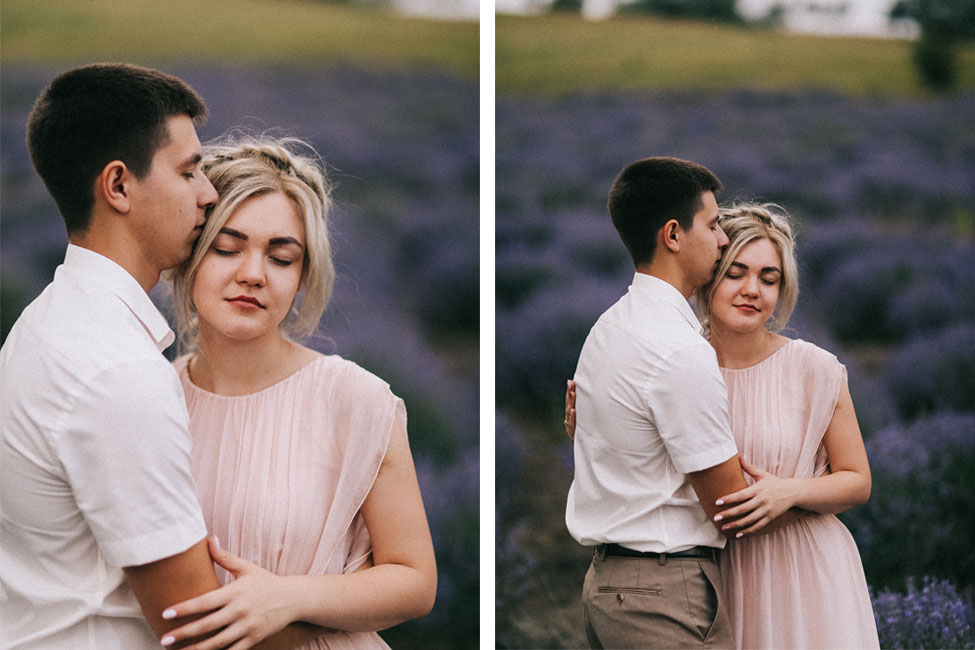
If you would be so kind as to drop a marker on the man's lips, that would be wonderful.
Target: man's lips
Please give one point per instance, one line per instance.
(246, 299)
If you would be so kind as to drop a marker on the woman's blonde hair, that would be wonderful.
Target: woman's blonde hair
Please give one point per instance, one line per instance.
(240, 168)
(745, 223)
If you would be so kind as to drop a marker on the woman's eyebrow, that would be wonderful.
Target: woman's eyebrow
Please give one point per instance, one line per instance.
(284, 241)
(765, 269)
(233, 233)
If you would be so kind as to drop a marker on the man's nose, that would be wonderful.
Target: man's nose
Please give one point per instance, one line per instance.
(208, 195)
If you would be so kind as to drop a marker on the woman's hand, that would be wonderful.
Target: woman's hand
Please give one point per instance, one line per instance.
(570, 410)
(758, 504)
(249, 609)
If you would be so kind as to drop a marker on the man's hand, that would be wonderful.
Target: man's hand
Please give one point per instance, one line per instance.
(570, 410)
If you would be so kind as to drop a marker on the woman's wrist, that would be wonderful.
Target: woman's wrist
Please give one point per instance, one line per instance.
(288, 599)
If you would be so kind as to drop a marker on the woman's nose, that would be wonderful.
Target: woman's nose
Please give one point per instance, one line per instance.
(251, 269)
(750, 286)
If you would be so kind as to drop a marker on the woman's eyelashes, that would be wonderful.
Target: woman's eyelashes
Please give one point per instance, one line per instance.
(227, 252)
(769, 281)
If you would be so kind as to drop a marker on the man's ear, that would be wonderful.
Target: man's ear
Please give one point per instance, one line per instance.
(670, 236)
(113, 185)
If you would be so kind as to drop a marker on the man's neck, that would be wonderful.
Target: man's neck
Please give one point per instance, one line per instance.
(125, 256)
(669, 274)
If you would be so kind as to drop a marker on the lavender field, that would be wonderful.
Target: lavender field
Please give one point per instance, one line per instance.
(883, 190)
(402, 150)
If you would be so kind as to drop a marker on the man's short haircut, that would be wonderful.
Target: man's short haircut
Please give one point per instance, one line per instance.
(650, 192)
(89, 116)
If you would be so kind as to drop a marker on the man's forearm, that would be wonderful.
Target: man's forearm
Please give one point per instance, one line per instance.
(293, 636)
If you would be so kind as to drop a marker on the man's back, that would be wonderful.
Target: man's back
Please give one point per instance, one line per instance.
(94, 459)
(651, 408)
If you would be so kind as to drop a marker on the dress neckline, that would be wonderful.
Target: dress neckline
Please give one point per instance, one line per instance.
(763, 361)
(185, 372)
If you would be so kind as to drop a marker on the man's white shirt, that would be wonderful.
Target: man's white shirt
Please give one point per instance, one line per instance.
(651, 407)
(94, 463)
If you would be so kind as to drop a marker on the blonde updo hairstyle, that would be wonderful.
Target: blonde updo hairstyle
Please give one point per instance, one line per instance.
(240, 168)
(745, 223)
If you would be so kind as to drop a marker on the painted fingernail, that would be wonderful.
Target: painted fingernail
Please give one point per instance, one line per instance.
(718, 517)
(169, 613)
(719, 502)
(167, 640)
(739, 535)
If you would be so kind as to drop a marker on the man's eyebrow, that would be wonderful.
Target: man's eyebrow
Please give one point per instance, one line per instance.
(192, 161)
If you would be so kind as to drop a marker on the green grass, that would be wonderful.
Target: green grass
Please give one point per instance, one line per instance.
(300, 32)
(560, 54)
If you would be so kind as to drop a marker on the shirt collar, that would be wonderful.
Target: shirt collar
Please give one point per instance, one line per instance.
(662, 291)
(108, 274)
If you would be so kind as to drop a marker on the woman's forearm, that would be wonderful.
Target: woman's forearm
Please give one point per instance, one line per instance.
(373, 599)
(832, 493)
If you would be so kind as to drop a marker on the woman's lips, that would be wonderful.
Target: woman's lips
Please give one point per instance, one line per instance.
(246, 302)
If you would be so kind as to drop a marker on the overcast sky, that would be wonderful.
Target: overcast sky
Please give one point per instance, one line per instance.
(867, 17)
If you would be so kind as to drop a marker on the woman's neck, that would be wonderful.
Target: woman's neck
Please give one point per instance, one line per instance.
(229, 367)
(736, 349)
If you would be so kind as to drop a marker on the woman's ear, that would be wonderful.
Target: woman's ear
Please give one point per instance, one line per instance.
(669, 235)
(113, 185)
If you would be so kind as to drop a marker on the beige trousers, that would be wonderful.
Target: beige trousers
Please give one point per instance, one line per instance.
(654, 603)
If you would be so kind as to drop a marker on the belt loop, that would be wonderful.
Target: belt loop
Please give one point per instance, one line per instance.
(662, 558)
(601, 552)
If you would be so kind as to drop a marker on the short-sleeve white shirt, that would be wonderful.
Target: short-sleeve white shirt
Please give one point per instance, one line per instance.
(94, 463)
(651, 407)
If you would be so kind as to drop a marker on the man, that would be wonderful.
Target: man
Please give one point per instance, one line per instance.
(95, 456)
(652, 443)
(99, 520)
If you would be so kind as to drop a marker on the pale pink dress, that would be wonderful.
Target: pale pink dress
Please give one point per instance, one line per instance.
(802, 586)
(281, 473)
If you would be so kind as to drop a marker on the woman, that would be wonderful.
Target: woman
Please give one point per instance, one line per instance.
(301, 460)
(801, 586)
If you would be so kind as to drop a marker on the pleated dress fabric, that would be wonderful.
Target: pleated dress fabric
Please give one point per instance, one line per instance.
(802, 586)
(282, 473)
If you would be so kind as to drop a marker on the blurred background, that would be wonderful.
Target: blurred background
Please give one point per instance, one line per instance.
(387, 92)
(863, 128)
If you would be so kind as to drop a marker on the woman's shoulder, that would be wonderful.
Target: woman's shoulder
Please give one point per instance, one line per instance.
(348, 378)
(817, 365)
(812, 353)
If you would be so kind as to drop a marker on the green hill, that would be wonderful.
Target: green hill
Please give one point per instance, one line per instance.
(299, 32)
(557, 54)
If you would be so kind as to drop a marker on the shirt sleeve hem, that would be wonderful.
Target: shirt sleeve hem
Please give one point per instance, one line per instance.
(155, 546)
(705, 459)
